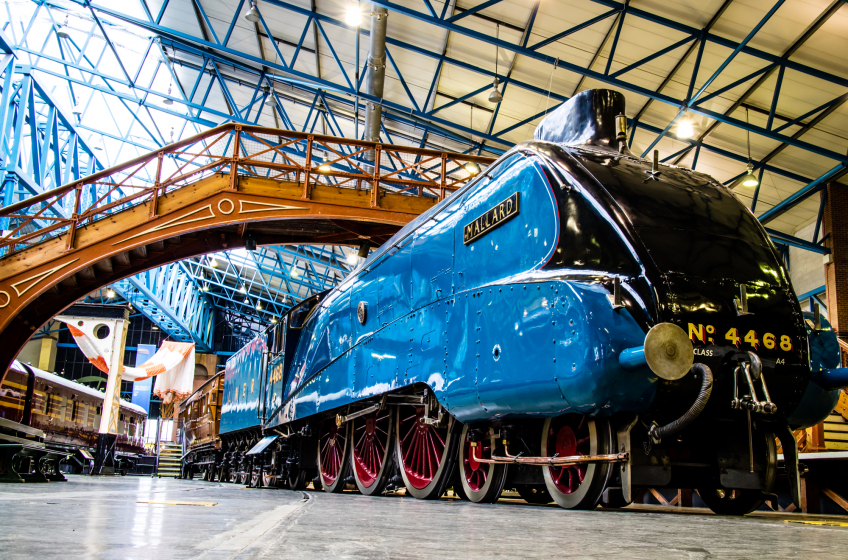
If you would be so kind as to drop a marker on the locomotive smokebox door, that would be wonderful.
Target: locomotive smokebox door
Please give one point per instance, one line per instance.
(362, 312)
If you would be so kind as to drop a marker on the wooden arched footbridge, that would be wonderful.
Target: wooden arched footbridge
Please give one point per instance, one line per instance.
(208, 193)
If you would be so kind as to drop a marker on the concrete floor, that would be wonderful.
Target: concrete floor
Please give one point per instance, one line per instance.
(162, 519)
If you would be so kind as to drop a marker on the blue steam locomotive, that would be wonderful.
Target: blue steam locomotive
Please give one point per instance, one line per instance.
(574, 323)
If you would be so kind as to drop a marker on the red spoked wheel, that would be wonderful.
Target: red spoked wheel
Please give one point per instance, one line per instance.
(424, 452)
(481, 482)
(576, 486)
(333, 450)
(371, 452)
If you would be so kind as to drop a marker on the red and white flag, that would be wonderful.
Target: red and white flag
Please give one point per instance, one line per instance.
(173, 363)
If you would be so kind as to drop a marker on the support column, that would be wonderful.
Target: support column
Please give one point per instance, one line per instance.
(835, 233)
(376, 72)
(112, 397)
(175, 425)
(47, 352)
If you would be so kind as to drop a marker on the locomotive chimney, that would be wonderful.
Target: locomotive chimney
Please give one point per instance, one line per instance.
(588, 118)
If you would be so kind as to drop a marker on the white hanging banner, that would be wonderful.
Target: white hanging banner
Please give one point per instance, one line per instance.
(173, 366)
(173, 363)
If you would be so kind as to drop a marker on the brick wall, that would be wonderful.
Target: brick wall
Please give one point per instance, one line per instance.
(835, 223)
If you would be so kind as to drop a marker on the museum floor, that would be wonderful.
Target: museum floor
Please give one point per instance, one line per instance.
(135, 517)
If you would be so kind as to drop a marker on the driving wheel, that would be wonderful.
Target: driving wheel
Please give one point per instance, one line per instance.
(481, 482)
(370, 457)
(424, 451)
(576, 486)
(333, 449)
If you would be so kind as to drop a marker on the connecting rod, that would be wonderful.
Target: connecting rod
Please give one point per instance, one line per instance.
(554, 461)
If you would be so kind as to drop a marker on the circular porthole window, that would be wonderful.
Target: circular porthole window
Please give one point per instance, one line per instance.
(101, 331)
(362, 312)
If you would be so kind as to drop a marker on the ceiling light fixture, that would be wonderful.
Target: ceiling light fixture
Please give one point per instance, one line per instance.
(252, 14)
(62, 32)
(472, 167)
(353, 15)
(274, 320)
(325, 166)
(685, 129)
(750, 180)
(243, 289)
(495, 96)
(213, 263)
(259, 306)
(168, 101)
(110, 293)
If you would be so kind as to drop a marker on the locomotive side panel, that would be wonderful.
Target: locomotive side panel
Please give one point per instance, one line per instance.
(509, 379)
(363, 303)
(243, 379)
(426, 329)
(341, 323)
(507, 225)
(395, 285)
(458, 393)
(589, 337)
(431, 273)
(469, 229)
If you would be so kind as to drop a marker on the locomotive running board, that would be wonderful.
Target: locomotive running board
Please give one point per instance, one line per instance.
(554, 461)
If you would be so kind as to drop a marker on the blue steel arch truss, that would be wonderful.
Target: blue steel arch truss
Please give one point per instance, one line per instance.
(273, 79)
(170, 298)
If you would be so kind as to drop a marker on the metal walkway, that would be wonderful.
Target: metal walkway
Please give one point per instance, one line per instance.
(230, 187)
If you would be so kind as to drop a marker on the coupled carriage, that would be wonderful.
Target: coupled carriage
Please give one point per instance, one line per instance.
(49, 425)
(574, 323)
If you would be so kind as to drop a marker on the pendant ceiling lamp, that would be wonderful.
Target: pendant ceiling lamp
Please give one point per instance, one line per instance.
(495, 96)
(62, 32)
(168, 101)
(252, 14)
(750, 179)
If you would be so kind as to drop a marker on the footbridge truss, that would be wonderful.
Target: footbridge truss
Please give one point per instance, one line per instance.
(230, 187)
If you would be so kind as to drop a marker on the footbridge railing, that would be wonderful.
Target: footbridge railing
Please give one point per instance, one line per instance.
(238, 150)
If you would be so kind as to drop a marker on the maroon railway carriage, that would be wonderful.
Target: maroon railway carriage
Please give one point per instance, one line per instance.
(69, 415)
